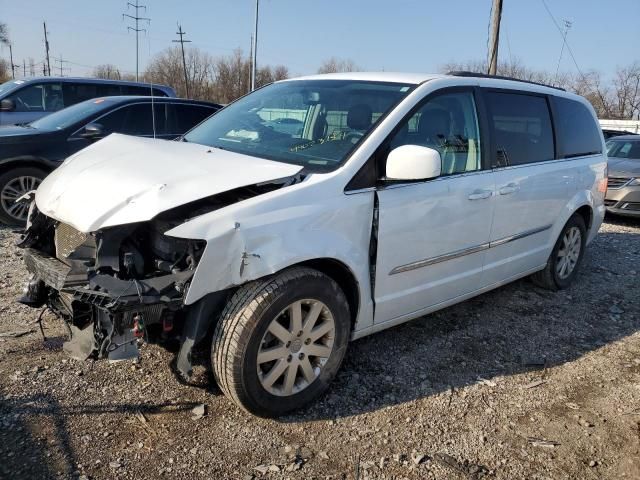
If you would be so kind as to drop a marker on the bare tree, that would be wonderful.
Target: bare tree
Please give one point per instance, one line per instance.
(167, 68)
(5, 70)
(107, 71)
(626, 85)
(335, 65)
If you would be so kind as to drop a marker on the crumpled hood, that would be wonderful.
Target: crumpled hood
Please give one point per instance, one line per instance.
(124, 179)
(624, 167)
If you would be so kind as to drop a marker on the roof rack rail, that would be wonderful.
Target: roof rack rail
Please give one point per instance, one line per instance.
(463, 73)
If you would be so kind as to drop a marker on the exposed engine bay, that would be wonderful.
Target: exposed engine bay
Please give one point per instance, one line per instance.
(122, 284)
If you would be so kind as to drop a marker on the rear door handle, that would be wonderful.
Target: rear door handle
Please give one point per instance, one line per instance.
(480, 194)
(508, 189)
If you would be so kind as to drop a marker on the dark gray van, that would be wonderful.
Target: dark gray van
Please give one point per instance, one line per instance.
(23, 101)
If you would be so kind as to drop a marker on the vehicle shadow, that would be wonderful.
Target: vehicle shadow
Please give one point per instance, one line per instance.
(34, 439)
(517, 328)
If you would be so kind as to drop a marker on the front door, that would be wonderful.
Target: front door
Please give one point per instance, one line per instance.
(433, 235)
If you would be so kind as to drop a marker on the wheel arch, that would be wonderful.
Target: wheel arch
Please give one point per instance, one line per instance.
(343, 276)
(23, 162)
(586, 212)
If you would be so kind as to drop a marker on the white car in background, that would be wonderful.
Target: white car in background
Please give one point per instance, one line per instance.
(400, 194)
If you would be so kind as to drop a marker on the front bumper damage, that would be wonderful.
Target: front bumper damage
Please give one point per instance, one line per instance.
(110, 295)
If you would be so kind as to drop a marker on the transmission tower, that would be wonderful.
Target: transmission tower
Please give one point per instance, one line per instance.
(137, 19)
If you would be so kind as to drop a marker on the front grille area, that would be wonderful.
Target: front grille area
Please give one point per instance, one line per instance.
(50, 270)
(610, 203)
(67, 239)
(617, 182)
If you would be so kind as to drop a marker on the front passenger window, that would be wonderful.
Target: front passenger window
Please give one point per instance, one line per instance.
(447, 123)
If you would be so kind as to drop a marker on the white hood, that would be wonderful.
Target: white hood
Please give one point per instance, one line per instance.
(124, 179)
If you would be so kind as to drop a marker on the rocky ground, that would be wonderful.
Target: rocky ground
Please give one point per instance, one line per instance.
(516, 383)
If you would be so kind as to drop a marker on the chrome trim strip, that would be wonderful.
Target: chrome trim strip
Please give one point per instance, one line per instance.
(466, 251)
(440, 258)
(518, 236)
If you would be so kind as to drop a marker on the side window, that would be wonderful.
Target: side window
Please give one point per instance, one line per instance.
(135, 90)
(107, 90)
(188, 116)
(78, 92)
(43, 97)
(131, 120)
(157, 92)
(447, 123)
(578, 133)
(521, 126)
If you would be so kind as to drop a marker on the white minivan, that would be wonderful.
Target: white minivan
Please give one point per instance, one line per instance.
(314, 211)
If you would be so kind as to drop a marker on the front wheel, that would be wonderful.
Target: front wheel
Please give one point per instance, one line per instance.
(565, 258)
(14, 183)
(280, 341)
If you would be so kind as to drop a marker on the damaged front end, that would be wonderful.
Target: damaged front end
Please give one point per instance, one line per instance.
(113, 286)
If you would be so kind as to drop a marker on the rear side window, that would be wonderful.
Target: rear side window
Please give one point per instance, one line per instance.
(136, 90)
(78, 92)
(521, 126)
(578, 133)
(134, 119)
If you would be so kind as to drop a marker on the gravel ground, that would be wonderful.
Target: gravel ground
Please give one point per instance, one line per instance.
(516, 383)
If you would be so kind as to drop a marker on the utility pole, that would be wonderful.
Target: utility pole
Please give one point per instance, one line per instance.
(24, 67)
(13, 65)
(61, 66)
(494, 37)
(137, 19)
(250, 62)
(255, 49)
(46, 46)
(182, 41)
(567, 26)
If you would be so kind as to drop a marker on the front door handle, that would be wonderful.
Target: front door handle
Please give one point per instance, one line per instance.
(480, 194)
(508, 189)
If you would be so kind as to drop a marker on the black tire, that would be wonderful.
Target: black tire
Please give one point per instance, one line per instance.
(5, 179)
(549, 277)
(242, 326)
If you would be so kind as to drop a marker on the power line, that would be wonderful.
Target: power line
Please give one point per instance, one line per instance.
(61, 65)
(567, 26)
(137, 19)
(182, 41)
(564, 37)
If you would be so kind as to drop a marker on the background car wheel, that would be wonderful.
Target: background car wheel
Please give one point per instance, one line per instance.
(13, 184)
(280, 341)
(565, 257)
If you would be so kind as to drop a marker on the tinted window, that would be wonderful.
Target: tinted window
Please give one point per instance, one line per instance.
(134, 90)
(188, 116)
(578, 133)
(42, 97)
(158, 93)
(78, 92)
(447, 123)
(132, 120)
(107, 90)
(521, 128)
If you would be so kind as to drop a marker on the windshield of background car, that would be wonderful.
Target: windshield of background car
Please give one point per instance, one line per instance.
(624, 148)
(313, 123)
(73, 114)
(9, 86)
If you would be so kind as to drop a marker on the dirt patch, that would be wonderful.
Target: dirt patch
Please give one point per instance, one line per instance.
(516, 383)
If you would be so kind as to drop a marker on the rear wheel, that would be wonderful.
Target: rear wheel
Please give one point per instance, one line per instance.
(15, 183)
(280, 341)
(566, 257)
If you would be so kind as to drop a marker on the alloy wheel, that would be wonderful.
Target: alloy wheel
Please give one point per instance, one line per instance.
(295, 347)
(12, 191)
(569, 252)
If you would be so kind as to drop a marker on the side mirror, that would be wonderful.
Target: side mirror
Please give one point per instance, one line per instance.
(413, 162)
(7, 105)
(93, 131)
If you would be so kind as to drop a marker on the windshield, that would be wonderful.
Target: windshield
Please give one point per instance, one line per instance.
(313, 123)
(624, 149)
(7, 87)
(68, 116)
